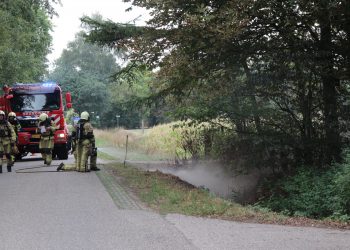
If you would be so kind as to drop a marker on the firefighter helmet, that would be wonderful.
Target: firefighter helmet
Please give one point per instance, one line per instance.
(43, 117)
(12, 114)
(2, 115)
(84, 116)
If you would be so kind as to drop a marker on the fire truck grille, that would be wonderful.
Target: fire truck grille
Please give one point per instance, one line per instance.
(30, 123)
(34, 139)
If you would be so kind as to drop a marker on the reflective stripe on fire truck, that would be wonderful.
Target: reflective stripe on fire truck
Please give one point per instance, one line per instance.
(56, 119)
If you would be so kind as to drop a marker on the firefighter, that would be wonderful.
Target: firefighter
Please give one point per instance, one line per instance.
(14, 122)
(71, 133)
(47, 129)
(17, 127)
(71, 167)
(72, 129)
(74, 143)
(7, 140)
(93, 157)
(70, 115)
(85, 146)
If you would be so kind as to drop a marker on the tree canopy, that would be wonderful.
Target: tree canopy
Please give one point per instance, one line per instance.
(87, 71)
(84, 70)
(24, 39)
(277, 70)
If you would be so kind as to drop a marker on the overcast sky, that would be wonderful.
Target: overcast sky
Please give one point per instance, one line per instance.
(67, 24)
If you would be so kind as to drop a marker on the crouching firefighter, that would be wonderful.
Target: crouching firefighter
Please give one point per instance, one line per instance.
(7, 141)
(47, 130)
(85, 146)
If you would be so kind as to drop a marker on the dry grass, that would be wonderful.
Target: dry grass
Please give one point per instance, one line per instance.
(166, 140)
(160, 140)
(116, 137)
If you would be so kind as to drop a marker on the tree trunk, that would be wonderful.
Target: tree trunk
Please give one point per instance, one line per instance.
(306, 105)
(254, 103)
(333, 147)
(329, 82)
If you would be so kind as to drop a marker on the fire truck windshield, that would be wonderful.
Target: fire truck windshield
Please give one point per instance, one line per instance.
(35, 102)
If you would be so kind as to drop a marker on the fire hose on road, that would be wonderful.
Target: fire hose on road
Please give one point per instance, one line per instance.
(25, 170)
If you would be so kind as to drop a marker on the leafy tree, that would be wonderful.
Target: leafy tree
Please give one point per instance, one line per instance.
(24, 39)
(278, 70)
(84, 70)
(127, 97)
(88, 70)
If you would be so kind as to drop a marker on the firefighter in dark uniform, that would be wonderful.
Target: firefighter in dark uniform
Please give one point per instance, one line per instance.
(47, 130)
(17, 127)
(85, 146)
(7, 141)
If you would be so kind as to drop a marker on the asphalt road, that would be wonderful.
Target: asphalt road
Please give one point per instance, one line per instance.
(70, 210)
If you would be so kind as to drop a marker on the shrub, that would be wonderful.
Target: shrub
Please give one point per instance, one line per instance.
(342, 182)
(311, 192)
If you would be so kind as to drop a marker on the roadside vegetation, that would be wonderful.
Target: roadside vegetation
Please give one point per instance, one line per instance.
(168, 194)
(162, 141)
(158, 143)
(176, 140)
(308, 193)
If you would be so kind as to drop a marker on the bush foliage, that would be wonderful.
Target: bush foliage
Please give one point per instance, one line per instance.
(311, 192)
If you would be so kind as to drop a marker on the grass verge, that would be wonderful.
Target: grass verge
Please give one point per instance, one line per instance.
(105, 156)
(168, 194)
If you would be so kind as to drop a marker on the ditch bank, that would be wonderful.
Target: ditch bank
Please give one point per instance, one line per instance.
(210, 175)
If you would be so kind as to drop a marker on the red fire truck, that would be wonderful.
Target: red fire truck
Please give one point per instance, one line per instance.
(28, 101)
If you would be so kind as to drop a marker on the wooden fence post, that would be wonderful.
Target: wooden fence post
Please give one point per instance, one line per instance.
(126, 149)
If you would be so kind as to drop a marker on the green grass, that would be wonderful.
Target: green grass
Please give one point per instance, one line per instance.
(166, 193)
